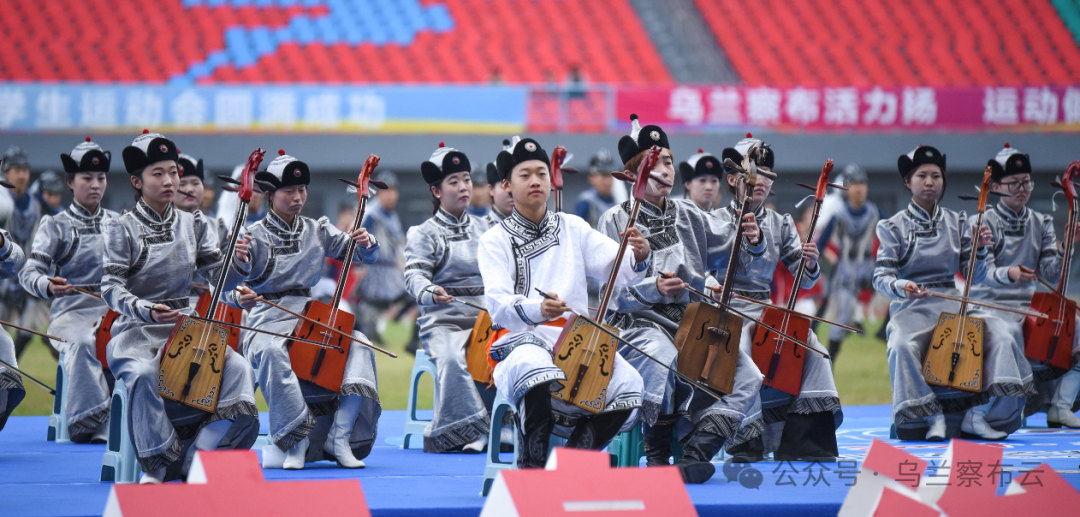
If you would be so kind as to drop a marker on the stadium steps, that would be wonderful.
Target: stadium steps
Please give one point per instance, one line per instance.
(684, 41)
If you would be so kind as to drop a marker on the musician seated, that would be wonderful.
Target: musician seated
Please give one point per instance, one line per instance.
(68, 245)
(922, 249)
(440, 269)
(287, 254)
(1025, 251)
(683, 241)
(555, 253)
(151, 255)
(794, 427)
(11, 385)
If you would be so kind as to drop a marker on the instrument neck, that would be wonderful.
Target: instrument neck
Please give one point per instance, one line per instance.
(605, 297)
(801, 272)
(226, 259)
(733, 260)
(1067, 253)
(350, 251)
(975, 232)
(558, 199)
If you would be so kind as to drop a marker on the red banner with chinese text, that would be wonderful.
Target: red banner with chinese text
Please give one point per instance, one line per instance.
(706, 108)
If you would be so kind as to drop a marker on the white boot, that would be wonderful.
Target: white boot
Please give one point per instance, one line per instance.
(936, 433)
(155, 477)
(211, 434)
(294, 457)
(337, 440)
(1060, 412)
(476, 446)
(975, 423)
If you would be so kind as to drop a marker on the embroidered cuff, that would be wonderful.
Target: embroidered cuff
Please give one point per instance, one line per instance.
(643, 265)
(898, 288)
(242, 268)
(369, 254)
(646, 292)
(42, 287)
(981, 254)
(758, 249)
(529, 312)
(427, 295)
(142, 310)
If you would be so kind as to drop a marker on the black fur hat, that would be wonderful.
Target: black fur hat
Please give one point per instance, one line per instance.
(285, 171)
(444, 162)
(700, 164)
(520, 150)
(86, 157)
(641, 139)
(922, 155)
(1008, 161)
(190, 166)
(148, 148)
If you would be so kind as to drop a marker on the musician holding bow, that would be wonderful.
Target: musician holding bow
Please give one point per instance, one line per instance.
(683, 239)
(66, 254)
(151, 255)
(1026, 245)
(922, 249)
(806, 422)
(287, 253)
(554, 252)
(441, 267)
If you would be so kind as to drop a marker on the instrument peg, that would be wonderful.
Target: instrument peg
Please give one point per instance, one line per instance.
(837, 185)
(6, 184)
(571, 170)
(229, 179)
(378, 184)
(622, 175)
(805, 186)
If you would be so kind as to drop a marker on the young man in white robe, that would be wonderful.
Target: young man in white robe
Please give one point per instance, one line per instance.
(534, 249)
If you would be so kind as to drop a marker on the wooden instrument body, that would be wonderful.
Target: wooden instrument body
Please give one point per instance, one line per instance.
(708, 344)
(322, 366)
(224, 313)
(102, 336)
(939, 356)
(185, 360)
(587, 355)
(787, 357)
(476, 348)
(1050, 340)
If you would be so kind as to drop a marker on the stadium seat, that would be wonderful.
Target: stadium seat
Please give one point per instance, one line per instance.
(413, 425)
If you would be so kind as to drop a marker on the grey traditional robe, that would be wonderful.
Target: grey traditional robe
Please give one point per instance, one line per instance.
(853, 233)
(70, 245)
(929, 250)
(1027, 239)
(11, 385)
(441, 252)
(286, 262)
(150, 259)
(683, 239)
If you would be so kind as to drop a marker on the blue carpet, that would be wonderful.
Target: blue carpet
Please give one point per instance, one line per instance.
(44, 479)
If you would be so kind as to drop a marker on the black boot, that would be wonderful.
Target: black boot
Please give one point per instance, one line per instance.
(808, 438)
(596, 431)
(750, 451)
(658, 440)
(534, 427)
(695, 465)
(834, 350)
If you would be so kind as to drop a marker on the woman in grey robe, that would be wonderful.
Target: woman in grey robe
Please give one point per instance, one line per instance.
(151, 254)
(287, 255)
(440, 267)
(68, 245)
(923, 247)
